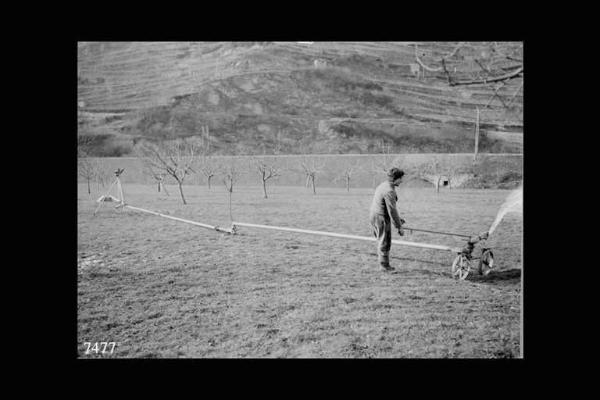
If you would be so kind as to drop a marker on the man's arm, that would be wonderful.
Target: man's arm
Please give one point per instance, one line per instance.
(390, 203)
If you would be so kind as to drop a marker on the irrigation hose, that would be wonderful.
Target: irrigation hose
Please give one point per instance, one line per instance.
(441, 233)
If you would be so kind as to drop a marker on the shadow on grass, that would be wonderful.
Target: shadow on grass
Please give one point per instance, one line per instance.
(400, 268)
(415, 260)
(425, 272)
(503, 278)
(506, 277)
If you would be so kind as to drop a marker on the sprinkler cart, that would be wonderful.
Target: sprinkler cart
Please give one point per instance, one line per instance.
(461, 267)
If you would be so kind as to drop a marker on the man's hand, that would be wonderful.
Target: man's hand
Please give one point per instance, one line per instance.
(400, 232)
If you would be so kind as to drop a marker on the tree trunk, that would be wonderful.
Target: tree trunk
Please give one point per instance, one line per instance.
(437, 184)
(312, 181)
(158, 186)
(208, 181)
(230, 214)
(88, 182)
(476, 138)
(265, 188)
(348, 184)
(181, 191)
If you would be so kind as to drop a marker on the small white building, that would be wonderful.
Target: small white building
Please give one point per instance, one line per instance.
(320, 63)
(448, 181)
(414, 69)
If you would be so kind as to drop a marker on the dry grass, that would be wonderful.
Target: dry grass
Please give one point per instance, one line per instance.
(161, 288)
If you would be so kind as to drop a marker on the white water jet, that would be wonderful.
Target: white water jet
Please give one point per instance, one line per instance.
(513, 203)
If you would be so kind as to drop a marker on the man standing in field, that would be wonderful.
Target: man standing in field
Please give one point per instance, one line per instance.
(383, 212)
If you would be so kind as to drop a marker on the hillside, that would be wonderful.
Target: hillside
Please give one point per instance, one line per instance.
(291, 97)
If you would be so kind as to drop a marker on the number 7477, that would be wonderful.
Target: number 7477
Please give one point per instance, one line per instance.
(95, 348)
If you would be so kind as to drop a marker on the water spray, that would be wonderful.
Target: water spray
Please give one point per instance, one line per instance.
(512, 204)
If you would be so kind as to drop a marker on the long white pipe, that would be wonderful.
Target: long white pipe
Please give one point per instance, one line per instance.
(280, 228)
(340, 235)
(187, 221)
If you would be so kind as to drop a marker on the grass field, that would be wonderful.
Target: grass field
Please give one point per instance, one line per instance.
(161, 288)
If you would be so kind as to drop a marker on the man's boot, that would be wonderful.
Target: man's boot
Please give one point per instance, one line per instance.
(387, 267)
(384, 261)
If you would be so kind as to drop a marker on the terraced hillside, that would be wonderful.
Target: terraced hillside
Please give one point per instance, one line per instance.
(294, 97)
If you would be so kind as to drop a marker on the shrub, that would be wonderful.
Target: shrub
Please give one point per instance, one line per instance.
(159, 116)
(368, 98)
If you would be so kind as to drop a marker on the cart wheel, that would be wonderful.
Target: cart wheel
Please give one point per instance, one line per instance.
(486, 262)
(461, 267)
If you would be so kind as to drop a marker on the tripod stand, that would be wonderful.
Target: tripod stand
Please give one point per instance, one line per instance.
(121, 200)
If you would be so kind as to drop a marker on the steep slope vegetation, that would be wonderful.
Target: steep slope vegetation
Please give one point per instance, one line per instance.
(292, 97)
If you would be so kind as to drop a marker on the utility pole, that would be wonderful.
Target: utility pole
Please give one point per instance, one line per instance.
(476, 136)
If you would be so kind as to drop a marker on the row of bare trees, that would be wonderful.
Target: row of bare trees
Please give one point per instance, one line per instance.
(181, 158)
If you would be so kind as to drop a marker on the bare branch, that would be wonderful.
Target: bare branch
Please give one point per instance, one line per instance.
(478, 77)
(489, 80)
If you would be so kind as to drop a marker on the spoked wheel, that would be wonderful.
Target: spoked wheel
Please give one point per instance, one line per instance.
(486, 262)
(461, 267)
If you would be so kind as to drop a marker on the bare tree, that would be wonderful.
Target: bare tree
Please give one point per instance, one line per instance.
(267, 170)
(176, 158)
(231, 175)
(430, 172)
(103, 175)
(160, 181)
(348, 170)
(208, 168)
(86, 169)
(158, 176)
(310, 167)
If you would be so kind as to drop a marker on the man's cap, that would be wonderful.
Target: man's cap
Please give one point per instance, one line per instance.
(395, 173)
